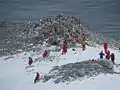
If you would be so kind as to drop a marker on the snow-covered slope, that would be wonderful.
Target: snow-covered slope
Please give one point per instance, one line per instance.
(17, 75)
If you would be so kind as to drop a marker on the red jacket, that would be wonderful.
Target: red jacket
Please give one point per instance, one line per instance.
(105, 45)
(30, 61)
(45, 53)
(108, 55)
(37, 75)
(64, 48)
(64, 45)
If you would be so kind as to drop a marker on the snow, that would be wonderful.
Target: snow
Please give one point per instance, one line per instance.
(16, 75)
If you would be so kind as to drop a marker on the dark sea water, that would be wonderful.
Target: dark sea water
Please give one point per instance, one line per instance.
(100, 15)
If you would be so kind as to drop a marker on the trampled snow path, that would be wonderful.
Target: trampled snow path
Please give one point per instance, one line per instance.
(14, 75)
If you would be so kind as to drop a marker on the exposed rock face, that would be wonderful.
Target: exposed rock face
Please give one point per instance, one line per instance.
(79, 70)
(61, 28)
(24, 36)
(66, 28)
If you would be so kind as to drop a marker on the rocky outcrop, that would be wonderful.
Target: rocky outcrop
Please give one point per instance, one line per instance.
(79, 70)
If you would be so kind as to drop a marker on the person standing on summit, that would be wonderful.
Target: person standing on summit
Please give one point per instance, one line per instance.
(108, 55)
(101, 54)
(105, 47)
(83, 44)
(113, 58)
(64, 47)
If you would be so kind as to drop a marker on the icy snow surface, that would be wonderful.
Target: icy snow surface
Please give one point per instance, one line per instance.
(17, 75)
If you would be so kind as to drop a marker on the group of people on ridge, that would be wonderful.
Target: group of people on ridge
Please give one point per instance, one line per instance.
(64, 48)
(64, 51)
(107, 52)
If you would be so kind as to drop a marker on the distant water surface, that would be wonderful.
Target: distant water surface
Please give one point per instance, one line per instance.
(100, 15)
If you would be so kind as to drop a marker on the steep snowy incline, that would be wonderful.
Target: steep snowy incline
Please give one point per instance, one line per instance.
(17, 75)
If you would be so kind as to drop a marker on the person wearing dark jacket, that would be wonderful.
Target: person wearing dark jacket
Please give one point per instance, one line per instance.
(101, 54)
(113, 57)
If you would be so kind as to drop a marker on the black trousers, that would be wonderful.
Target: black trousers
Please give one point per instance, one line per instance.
(36, 79)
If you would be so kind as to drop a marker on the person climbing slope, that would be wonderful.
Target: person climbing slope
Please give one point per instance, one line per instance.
(30, 61)
(45, 54)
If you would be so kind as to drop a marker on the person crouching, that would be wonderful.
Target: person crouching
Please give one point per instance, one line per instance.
(37, 78)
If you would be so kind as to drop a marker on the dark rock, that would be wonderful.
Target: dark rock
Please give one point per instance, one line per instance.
(79, 70)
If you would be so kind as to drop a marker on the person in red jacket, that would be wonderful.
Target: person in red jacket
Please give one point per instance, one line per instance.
(64, 47)
(105, 47)
(37, 77)
(45, 54)
(30, 61)
(113, 57)
(108, 55)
